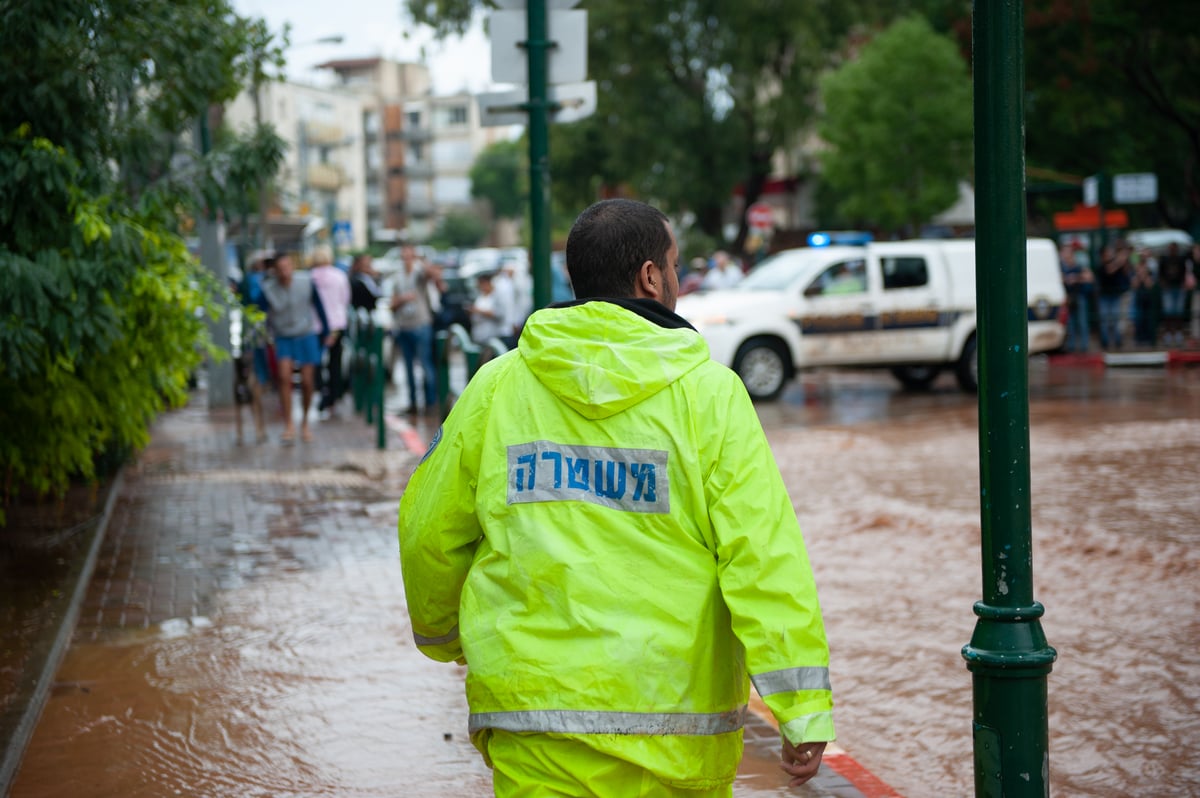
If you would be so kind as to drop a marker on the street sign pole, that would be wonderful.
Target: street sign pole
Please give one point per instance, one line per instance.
(1008, 656)
(539, 152)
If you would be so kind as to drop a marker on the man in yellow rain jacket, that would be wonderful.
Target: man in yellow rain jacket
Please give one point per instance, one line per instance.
(600, 532)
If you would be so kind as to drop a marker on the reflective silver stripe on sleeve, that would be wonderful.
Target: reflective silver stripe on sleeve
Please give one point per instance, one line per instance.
(791, 679)
(566, 721)
(449, 637)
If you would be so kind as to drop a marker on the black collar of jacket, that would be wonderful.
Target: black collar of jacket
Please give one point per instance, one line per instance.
(649, 309)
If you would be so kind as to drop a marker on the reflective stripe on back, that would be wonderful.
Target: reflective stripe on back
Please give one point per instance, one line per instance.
(565, 721)
(791, 679)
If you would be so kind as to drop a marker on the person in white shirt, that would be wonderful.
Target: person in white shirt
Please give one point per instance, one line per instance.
(724, 273)
(487, 314)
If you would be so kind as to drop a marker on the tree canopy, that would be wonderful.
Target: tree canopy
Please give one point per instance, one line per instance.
(1112, 87)
(102, 308)
(897, 125)
(697, 96)
(500, 175)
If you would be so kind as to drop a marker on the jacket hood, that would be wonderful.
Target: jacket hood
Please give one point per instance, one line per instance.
(604, 356)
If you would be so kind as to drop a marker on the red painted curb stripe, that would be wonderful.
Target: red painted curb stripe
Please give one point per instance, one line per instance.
(837, 759)
(412, 441)
(1174, 357)
(863, 780)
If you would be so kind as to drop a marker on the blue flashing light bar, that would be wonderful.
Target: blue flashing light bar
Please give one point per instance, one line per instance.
(854, 238)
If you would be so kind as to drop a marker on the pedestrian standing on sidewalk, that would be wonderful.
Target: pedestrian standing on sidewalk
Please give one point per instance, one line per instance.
(601, 534)
(333, 286)
(296, 315)
(1147, 302)
(364, 283)
(413, 326)
(1112, 284)
(1173, 277)
(1081, 287)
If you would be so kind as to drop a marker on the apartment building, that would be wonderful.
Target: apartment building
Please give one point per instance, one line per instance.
(419, 147)
(375, 153)
(323, 175)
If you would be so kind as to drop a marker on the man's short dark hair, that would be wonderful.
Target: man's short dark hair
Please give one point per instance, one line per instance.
(609, 242)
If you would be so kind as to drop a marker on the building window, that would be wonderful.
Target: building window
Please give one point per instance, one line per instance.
(452, 115)
(412, 119)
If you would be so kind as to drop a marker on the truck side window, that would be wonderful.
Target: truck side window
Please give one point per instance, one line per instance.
(904, 273)
(846, 277)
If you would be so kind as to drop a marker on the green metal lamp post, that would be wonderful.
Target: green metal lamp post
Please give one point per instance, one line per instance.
(1008, 655)
(539, 108)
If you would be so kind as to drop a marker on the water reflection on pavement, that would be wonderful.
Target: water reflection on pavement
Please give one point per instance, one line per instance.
(885, 484)
(299, 677)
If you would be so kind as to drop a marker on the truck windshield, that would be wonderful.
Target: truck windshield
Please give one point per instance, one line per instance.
(782, 269)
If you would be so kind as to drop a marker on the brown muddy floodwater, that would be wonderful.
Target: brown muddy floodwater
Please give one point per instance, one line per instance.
(302, 680)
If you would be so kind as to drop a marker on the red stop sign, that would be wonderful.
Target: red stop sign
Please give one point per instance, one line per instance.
(760, 217)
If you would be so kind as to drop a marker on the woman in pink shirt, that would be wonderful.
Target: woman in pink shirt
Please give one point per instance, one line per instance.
(334, 288)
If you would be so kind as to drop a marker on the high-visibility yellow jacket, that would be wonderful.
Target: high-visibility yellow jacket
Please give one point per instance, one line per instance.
(601, 531)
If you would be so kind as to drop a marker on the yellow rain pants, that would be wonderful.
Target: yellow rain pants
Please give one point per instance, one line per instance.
(540, 765)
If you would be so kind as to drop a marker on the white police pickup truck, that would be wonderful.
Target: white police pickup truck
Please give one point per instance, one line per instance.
(904, 305)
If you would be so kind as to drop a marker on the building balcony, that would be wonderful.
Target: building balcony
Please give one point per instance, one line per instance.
(418, 170)
(419, 206)
(321, 134)
(421, 133)
(324, 177)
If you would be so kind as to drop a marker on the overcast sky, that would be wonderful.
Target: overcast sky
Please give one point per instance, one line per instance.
(373, 28)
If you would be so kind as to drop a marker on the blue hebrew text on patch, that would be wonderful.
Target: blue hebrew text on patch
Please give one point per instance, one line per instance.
(624, 479)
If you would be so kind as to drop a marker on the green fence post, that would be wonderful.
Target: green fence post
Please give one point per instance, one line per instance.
(358, 357)
(441, 354)
(1008, 655)
(377, 387)
(373, 369)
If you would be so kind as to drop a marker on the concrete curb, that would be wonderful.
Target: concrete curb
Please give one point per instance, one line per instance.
(1173, 357)
(23, 732)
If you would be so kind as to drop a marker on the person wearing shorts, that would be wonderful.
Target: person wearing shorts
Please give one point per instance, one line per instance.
(296, 316)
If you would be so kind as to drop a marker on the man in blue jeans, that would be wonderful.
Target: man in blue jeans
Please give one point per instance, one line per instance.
(412, 325)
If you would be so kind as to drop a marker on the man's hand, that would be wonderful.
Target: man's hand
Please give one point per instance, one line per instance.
(801, 761)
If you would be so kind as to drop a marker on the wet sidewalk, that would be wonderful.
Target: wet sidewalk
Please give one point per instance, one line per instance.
(239, 629)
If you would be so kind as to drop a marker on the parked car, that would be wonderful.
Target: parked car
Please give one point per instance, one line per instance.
(904, 305)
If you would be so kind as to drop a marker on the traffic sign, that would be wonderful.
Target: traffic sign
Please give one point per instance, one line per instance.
(760, 216)
(567, 60)
(1136, 188)
(519, 5)
(573, 100)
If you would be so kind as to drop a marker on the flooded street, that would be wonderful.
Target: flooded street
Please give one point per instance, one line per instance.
(292, 671)
(885, 485)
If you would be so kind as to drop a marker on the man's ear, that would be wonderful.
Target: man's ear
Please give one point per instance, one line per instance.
(649, 282)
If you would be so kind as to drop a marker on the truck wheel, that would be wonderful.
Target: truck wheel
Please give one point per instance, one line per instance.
(967, 368)
(916, 378)
(763, 365)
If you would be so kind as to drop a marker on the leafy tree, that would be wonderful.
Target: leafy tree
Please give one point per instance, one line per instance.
(459, 230)
(102, 308)
(500, 175)
(695, 97)
(1111, 86)
(898, 125)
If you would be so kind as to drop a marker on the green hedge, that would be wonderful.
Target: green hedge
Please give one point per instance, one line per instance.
(102, 319)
